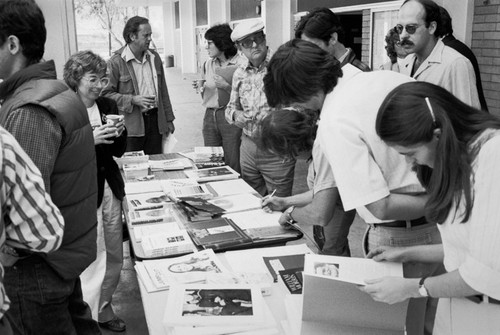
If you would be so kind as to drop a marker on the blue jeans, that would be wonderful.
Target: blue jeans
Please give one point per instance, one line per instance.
(421, 311)
(151, 141)
(333, 238)
(44, 303)
(218, 132)
(264, 171)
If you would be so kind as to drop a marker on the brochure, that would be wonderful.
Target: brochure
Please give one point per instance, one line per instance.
(152, 200)
(212, 174)
(218, 234)
(167, 244)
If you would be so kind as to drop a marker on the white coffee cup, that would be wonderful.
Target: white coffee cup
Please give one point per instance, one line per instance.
(113, 119)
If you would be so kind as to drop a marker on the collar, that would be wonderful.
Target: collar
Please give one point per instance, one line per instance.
(435, 57)
(43, 70)
(128, 55)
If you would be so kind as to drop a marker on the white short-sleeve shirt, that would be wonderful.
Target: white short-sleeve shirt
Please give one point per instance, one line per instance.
(365, 168)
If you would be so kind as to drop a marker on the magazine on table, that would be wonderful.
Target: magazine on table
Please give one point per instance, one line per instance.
(199, 305)
(237, 202)
(140, 231)
(186, 269)
(212, 174)
(170, 164)
(218, 234)
(147, 184)
(158, 215)
(152, 200)
(275, 264)
(229, 187)
(167, 244)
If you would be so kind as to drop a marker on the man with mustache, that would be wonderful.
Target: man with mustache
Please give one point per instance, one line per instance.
(137, 84)
(430, 60)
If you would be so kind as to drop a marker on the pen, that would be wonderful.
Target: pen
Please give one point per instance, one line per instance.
(272, 194)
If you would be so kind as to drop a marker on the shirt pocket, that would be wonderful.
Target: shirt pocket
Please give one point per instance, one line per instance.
(125, 84)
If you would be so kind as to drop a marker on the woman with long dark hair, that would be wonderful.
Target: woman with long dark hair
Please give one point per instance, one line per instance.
(455, 149)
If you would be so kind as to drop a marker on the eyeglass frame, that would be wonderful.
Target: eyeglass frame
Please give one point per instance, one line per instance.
(98, 80)
(253, 38)
(413, 28)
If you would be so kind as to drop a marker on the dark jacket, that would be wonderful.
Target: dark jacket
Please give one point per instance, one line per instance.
(73, 182)
(351, 59)
(123, 86)
(107, 169)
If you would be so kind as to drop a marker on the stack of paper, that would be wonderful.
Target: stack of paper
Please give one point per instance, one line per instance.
(191, 268)
(206, 157)
(158, 215)
(212, 174)
(169, 164)
(143, 201)
(237, 202)
(202, 309)
(166, 244)
(132, 157)
(229, 187)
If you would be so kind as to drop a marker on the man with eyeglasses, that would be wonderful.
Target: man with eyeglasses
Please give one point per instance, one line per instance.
(51, 124)
(137, 84)
(430, 60)
(262, 170)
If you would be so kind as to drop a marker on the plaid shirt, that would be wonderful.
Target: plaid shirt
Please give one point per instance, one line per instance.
(248, 103)
(29, 218)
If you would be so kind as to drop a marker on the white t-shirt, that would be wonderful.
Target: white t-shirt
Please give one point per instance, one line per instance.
(365, 168)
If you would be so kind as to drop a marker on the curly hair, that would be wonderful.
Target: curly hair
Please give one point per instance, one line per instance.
(221, 36)
(81, 63)
(24, 19)
(288, 131)
(404, 119)
(299, 70)
(390, 40)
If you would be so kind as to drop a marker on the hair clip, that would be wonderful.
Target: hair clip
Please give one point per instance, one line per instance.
(430, 110)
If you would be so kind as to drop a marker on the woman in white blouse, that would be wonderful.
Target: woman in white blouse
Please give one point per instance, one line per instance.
(455, 149)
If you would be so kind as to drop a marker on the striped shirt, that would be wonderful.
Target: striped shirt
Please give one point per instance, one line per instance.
(30, 220)
(248, 104)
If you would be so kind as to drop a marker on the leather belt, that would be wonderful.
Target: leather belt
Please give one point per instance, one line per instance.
(478, 299)
(403, 224)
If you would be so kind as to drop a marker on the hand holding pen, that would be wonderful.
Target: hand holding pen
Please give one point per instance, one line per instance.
(271, 203)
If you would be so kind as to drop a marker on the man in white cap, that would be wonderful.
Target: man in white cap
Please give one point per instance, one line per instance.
(262, 170)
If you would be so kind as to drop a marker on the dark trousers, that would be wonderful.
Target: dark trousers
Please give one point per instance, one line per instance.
(5, 328)
(152, 139)
(42, 302)
(218, 132)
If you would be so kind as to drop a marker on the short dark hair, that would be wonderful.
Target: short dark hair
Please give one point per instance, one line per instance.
(432, 13)
(297, 71)
(24, 19)
(132, 27)
(320, 23)
(405, 119)
(390, 39)
(80, 63)
(220, 34)
(446, 26)
(288, 132)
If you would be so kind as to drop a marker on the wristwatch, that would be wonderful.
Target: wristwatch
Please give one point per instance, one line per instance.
(421, 288)
(288, 214)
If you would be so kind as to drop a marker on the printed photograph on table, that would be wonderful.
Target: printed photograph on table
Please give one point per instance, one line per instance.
(204, 305)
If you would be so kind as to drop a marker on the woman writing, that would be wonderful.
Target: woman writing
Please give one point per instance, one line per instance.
(455, 151)
(85, 73)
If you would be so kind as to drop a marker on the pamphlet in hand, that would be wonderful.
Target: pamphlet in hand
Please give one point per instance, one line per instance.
(212, 174)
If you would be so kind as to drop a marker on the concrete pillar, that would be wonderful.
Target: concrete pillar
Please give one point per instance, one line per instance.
(169, 28)
(218, 11)
(277, 16)
(61, 31)
(188, 43)
(462, 14)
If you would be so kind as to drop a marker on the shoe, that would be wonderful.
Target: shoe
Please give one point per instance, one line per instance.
(115, 325)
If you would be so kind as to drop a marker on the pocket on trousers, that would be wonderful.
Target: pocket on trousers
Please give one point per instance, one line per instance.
(53, 289)
(417, 239)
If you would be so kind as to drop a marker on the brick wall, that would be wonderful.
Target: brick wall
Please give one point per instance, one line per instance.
(486, 47)
(365, 37)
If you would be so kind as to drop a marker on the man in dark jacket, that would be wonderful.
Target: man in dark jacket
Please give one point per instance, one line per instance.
(51, 124)
(137, 84)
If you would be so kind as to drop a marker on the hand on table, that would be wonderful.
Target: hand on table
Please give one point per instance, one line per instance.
(273, 203)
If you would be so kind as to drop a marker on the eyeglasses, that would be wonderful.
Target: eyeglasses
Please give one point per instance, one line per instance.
(94, 81)
(248, 42)
(410, 28)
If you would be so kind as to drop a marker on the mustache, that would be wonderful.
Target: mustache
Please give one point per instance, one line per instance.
(406, 42)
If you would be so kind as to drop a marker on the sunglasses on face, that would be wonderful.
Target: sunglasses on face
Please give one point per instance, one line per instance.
(410, 28)
(248, 42)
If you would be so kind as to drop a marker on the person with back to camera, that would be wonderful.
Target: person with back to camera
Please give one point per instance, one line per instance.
(224, 58)
(454, 149)
(394, 51)
(85, 73)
